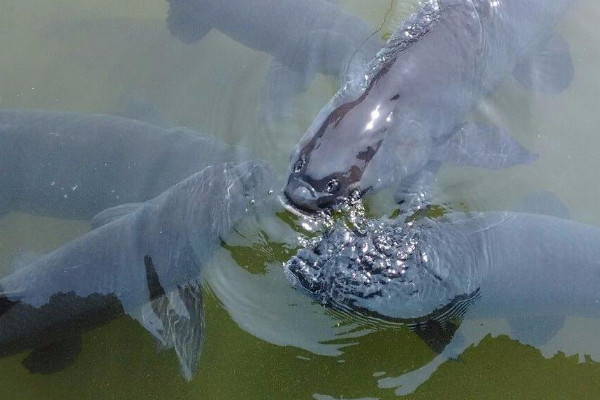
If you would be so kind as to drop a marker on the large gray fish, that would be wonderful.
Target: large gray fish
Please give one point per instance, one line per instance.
(145, 263)
(531, 269)
(74, 165)
(410, 108)
(304, 37)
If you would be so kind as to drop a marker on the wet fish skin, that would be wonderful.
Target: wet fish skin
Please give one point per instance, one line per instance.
(534, 270)
(107, 271)
(75, 165)
(415, 96)
(304, 37)
(309, 36)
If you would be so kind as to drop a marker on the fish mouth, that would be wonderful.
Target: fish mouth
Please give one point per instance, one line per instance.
(304, 197)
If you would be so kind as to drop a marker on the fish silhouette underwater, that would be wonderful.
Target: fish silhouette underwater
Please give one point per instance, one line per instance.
(304, 37)
(143, 260)
(140, 187)
(75, 165)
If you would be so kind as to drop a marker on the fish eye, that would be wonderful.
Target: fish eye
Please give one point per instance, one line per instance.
(299, 165)
(332, 186)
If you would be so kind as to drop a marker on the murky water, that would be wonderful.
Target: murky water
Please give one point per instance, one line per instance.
(266, 340)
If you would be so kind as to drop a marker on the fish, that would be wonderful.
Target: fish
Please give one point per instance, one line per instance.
(145, 263)
(408, 112)
(304, 37)
(435, 275)
(75, 165)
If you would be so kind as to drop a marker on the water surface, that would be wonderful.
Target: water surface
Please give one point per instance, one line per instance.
(265, 340)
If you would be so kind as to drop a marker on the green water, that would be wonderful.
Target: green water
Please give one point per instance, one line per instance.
(73, 55)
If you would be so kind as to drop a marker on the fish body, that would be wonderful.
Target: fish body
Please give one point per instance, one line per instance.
(533, 271)
(517, 261)
(75, 165)
(313, 35)
(410, 107)
(434, 274)
(145, 263)
(304, 37)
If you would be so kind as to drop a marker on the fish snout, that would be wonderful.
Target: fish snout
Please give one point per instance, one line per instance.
(302, 195)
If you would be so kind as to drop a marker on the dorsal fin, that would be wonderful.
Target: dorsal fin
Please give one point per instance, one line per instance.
(111, 214)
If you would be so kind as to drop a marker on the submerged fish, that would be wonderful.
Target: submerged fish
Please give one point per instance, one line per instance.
(304, 37)
(409, 110)
(532, 269)
(145, 263)
(74, 165)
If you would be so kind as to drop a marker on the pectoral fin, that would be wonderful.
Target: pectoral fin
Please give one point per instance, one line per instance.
(480, 145)
(113, 213)
(535, 331)
(184, 24)
(175, 318)
(550, 70)
(438, 329)
(435, 334)
(280, 87)
(53, 357)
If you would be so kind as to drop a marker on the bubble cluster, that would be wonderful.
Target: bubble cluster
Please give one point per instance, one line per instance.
(356, 257)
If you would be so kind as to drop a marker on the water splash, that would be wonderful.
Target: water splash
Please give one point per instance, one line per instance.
(355, 257)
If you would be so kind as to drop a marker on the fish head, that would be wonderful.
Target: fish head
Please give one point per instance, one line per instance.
(311, 194)
(327, 167)
(338, 165)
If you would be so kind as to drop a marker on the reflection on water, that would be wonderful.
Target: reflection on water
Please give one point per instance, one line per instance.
(264, 339)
